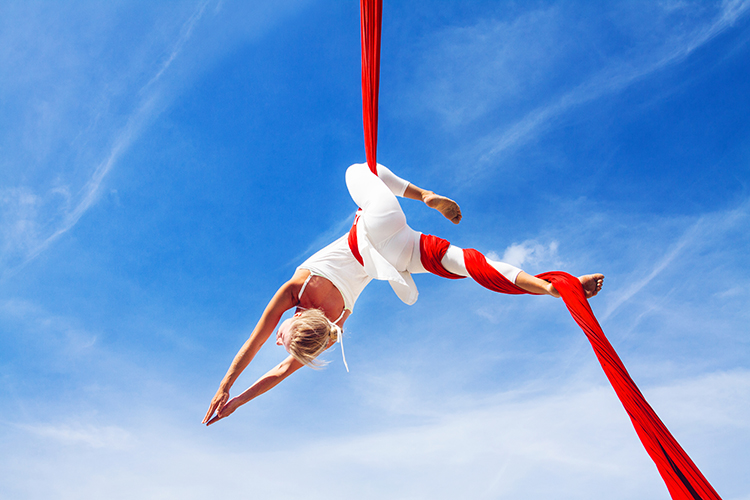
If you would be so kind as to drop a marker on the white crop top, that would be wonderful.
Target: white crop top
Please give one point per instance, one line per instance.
(337, 264)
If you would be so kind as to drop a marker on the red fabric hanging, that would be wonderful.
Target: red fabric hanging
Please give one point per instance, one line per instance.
(371, 17)
(683, 479)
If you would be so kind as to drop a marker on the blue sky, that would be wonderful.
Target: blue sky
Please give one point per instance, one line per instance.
(164, 168)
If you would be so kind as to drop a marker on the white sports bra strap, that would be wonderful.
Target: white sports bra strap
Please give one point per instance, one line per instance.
(304, 285)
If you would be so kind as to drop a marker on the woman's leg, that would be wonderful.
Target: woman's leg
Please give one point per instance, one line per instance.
(381, 215)
(453, 261)
(399, 244)
(370, 193)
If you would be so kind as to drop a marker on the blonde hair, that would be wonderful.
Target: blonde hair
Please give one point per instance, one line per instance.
(311, 333)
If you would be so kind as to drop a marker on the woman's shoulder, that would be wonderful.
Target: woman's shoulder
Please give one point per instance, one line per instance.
(297, 281)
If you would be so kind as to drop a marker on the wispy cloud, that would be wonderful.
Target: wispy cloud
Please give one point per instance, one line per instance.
(529, 253)
(55, 340)
(622, 296)
(185, 33)
(579, 440)
(23, 232)
(145, 111)
(607, 81)
(328, 236)
(91, 190)
(109, 437)
(706, 230)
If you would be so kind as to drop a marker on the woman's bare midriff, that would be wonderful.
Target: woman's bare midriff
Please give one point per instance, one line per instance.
(321, 294)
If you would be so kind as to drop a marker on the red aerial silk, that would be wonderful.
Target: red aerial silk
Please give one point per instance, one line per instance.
(683, 479)
(371, 16)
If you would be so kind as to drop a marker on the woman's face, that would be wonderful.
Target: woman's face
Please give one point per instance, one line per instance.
(283, 334)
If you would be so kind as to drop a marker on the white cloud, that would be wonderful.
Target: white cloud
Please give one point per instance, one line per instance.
(529, 254)
(79, 144)
(110, 437)
(498, 64)
(614, 78)
(577, 443)
(326, 237)
(707, 231)
(50, 336)
(145, 111)
(489, 64)
(185, 32)
(35, 216)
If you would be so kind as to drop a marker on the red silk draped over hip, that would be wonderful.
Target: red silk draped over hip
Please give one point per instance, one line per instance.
(683, 479)
(371, 18)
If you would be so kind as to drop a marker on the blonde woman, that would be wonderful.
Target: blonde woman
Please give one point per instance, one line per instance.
(325, 287)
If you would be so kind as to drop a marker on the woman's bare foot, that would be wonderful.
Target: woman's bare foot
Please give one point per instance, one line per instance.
(445, 206)
(591, 283)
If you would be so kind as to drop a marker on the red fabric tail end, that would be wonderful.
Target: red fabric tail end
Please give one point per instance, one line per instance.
(683, 479)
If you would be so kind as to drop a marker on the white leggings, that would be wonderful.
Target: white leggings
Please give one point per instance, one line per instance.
(387, 228)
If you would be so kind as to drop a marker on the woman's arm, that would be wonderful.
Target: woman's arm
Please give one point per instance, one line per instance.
(263, 384)
(283, 300)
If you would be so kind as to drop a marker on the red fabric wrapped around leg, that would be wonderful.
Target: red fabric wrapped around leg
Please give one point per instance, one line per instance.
(486, 275)
(431, 252)
(683, 479)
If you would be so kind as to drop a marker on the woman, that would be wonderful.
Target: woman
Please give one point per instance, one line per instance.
(325, 287)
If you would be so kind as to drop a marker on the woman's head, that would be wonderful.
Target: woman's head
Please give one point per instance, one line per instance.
(306, 335)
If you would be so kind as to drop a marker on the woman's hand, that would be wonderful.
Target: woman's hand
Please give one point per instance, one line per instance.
(226, 410)
(217, 405)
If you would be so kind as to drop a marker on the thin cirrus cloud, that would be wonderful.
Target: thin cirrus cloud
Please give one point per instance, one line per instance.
(118, 99)
(25, 232)
(609, 80)
(110, 437)
(579, 440)
(705, 231)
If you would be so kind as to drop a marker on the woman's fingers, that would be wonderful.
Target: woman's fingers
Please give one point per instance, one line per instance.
(211, 410)
(217, 402)
(224, 411)
(215, 419)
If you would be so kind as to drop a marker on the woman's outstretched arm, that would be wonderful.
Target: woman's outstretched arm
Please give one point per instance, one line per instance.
(283, 300)
(263, 384)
